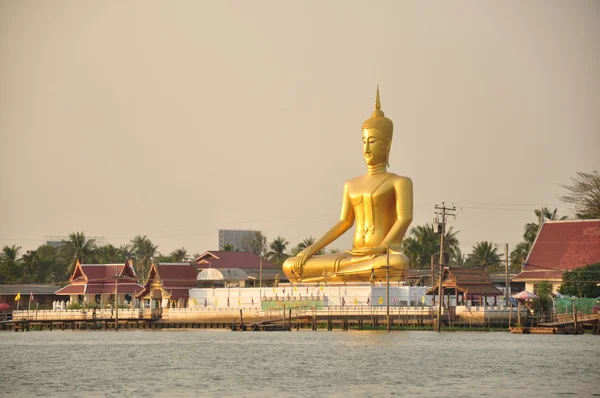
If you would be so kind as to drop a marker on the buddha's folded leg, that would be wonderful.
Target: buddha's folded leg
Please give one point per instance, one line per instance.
(376, 268)
(316, 266)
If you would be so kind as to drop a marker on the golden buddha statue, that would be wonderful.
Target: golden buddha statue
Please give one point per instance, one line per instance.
(381, 205)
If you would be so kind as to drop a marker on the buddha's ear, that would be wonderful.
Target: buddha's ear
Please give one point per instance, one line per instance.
(387, 153)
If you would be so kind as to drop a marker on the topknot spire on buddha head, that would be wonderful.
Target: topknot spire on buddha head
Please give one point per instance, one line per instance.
(379, 121)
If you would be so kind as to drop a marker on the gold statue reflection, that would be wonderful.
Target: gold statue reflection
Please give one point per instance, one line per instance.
(381, 205)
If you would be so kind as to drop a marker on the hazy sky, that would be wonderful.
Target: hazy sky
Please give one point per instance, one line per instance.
(174, 119)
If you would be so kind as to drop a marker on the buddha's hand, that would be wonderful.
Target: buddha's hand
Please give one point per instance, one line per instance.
(301, 258)
(368, 251)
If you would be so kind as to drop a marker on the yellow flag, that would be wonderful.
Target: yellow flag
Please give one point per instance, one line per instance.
(274, 290)
(355, 301)
(380, 299)
(423, 299)
(321, 287)
(295, 289)
(18, 296)
(216, 303)
(239, 301)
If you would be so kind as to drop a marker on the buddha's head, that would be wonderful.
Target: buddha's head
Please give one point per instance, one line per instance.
(377, 136)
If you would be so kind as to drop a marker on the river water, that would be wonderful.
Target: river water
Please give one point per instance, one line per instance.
(222, 363)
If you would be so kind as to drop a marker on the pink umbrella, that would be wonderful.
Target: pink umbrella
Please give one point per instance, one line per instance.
(524, 295)
(4, 306)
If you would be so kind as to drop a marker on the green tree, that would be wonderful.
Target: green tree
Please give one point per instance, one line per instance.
(584, 193)
(543, 303)
(423, 242)
(29, 267)
(10, 263)
(51, 266)
(581, 282)
(484, 255)
(229, 248)
(519, 255)
(277, 251)
(304, 244)
(255, 244)
(109, 254)
(178, 255)
(458, 259)
(145, 252)
(127, 251)
(78, 247)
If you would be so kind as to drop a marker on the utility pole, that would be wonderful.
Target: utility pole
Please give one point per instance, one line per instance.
(444, 212)
(507, 284)
(432, 269)
(260, 274)
(117, 301)
(387, 288)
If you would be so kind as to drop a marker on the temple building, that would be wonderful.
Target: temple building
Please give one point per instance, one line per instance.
(168, 285)
(558, 247)
(254, 266)
(98, 283)
(469, 286)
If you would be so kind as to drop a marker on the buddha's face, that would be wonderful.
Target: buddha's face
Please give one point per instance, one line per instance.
(375, 147)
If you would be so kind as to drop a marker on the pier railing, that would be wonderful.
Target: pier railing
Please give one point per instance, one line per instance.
(475, 314)
(75, 315)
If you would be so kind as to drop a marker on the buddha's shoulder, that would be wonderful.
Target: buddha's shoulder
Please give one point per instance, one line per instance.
(390, 178)
(400, 179)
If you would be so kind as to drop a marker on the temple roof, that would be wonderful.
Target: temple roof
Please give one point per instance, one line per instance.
(561, 246)
(101, 279)
(467, 280)
(223, 259)
(175, 279)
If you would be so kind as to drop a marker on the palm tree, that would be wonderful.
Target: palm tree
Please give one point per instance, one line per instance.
(145, 252)
(29, 261)
(458, 259)
(78, 247)
(109, 254)
(178, 255)
(277, 254)
(484, 255)
(423, 243)
(10, 263)
(304, 244)
(519, 255)
(127, 251)
(229, 248)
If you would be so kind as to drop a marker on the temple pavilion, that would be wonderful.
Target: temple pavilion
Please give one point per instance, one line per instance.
(168, 285)
(97, 283)
(472, 285)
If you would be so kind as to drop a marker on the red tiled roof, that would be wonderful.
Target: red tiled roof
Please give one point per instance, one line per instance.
(470, 280)
(100, 278)
(71, 289)
(175, 278)
(183, 275)
(128, 288)
(538, 275)
(105, 272)
(561, 246)
(223, 259)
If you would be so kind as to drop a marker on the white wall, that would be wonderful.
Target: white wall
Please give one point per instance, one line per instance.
(335, 294)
